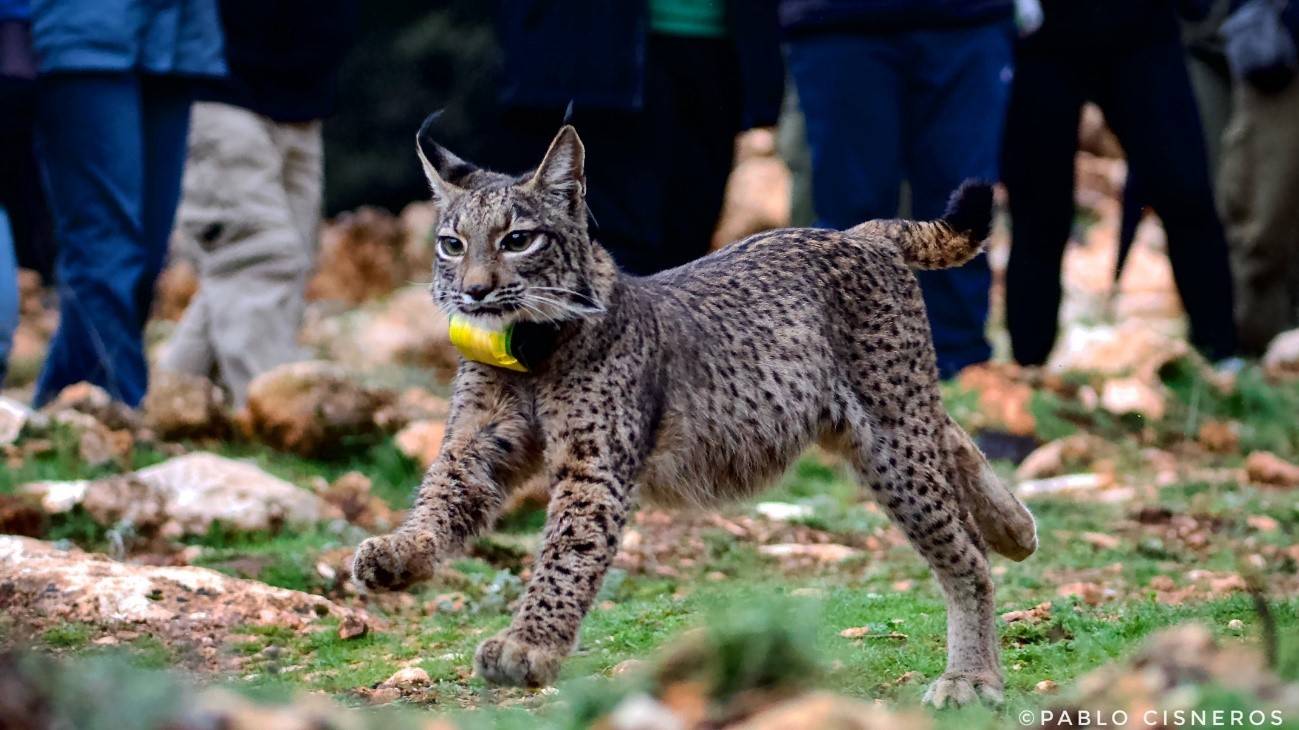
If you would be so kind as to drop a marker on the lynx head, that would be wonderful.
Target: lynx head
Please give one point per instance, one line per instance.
(512, 248)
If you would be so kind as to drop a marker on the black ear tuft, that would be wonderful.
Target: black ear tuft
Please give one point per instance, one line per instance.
(970, 209)
(449, 168)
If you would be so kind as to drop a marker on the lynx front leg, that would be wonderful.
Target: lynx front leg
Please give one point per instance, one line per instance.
(588, 510)
(489, 447)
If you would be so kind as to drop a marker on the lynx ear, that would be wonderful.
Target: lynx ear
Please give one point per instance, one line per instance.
(562, 171)
(446, 173)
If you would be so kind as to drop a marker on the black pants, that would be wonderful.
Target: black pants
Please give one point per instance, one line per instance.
(1146, 96)
(21, 194)
(656, 176)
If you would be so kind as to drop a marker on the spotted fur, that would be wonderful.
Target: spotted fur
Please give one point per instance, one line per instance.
(692, 386)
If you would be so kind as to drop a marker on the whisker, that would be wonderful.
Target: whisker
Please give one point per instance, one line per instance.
(562, 307)
(591, 301)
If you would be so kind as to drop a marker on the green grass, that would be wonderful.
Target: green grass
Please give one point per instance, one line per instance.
(647, 612)
(890, 590)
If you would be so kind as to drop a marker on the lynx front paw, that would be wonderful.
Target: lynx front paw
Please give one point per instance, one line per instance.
(503, 659)
(962, 688)
(389, 562)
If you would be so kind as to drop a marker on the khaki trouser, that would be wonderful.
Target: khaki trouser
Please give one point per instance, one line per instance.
(250, 210)
(1259, 188)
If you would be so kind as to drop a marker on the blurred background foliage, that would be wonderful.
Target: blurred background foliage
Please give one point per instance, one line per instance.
(408, 60)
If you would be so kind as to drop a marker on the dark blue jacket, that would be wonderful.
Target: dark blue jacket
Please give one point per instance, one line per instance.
(875, 16)
(593, 53)
(284, 56)
(15, 10)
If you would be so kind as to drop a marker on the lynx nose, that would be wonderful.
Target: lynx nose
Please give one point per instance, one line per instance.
(478, 292)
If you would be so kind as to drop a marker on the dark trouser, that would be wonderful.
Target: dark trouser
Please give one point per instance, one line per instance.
(656, 177)
(921, 106)
(1147, 100)
(1259, 187)
(112, 149)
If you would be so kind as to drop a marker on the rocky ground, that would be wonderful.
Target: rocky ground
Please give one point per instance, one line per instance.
(186, 565)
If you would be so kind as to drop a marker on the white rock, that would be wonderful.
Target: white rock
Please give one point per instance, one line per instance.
(57, 497)
(406, 677)
(783, 511)
(47, 583)
(642, 712)
(1282, 354)
(821, 552)
(1066, 483)
(1133, 395)
(13, 417)
(192, 491)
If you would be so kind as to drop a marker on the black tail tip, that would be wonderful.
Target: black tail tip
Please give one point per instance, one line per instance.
(970, 209)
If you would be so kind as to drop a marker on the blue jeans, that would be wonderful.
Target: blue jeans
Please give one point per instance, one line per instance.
(923, 106)
(8, 293)
(112, 149)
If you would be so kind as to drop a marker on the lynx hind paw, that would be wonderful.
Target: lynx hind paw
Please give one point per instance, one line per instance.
(960, 689)
(503, 659)
(387, 562)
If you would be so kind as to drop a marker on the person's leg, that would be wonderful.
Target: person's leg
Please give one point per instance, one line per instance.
(8, 293)
(622, 190)
(304, 177)
(1162, 137)
(1211, 83)
(166, 106)
(695, 116)
(954, 112)
(850, 88)
(89, 138)
(1260, 199)
(253, 262)
(791, 145)
(1038, 171)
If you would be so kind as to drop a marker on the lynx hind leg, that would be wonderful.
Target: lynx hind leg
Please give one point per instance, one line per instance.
(1002, 519)
(905, 468)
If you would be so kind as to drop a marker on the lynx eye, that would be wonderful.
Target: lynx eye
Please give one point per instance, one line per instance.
(518, 241)
(451, 247)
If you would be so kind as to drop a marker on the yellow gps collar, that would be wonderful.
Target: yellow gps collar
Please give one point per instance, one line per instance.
(489, 346)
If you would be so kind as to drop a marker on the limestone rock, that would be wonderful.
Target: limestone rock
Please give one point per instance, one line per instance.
(351, 495)
(1282, 356)
(405, 329)
(21, 514)
(1122, 396)
(1264, 467)
(1174, 665)
(815, 552)
(361, 257)
(642, 712)
(309, 408)
(421, 441)
(13, 418)
(412, 404)
(45, 586)
(1004, 399)
(93, 401)
(826, 711)
(1050, 459)
(97, 443)
(186, 495)
(406, 677)
(180, 405)
(1132, 348)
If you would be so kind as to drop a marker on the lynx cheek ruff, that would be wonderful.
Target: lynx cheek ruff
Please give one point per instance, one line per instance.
(488, 346)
